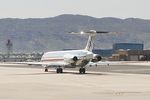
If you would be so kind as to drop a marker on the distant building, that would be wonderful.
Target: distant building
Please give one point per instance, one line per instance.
(19, 57)
(131, 55)
(120, 51)
(119, 46)
(128, 46)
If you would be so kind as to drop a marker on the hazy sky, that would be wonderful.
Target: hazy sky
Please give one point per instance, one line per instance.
(95, 8)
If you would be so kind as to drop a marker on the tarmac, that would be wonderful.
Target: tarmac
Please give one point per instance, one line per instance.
(113, 82)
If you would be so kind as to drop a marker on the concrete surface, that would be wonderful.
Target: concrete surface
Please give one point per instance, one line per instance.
(34, 84)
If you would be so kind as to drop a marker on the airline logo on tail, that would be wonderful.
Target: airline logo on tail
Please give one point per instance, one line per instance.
(89, 46)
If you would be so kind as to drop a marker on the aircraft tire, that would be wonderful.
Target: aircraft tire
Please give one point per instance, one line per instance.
(46, 70)
(82, 70)
(59, 70)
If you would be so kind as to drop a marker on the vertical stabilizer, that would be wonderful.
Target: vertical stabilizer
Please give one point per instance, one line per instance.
(90, 43)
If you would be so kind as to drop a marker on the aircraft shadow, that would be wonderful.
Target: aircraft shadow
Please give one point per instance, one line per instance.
(54, 72)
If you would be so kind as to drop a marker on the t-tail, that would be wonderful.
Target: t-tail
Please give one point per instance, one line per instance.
(92, 34)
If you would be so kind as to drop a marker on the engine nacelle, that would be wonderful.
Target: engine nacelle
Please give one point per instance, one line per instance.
(70, 58)
(96, 58)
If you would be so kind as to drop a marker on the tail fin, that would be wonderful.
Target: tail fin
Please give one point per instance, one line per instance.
(90, 43)
(92, 34)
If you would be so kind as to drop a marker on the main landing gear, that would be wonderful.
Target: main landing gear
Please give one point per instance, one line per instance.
(59, 70)
(82, 70)
(46, 70)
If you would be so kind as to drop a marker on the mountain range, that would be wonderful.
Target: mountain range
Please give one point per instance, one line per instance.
(47, 34)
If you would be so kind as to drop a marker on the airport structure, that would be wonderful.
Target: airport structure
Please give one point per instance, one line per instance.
(129, 52)
(20, 57)
(119, 52)
(128, 46)
(9, 46)
(119, 46)
(125, 52)
(131, 55)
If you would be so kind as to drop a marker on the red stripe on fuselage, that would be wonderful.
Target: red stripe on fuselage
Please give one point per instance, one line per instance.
(52, 60)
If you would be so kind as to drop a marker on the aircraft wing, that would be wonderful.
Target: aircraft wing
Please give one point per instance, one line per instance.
(43, 63)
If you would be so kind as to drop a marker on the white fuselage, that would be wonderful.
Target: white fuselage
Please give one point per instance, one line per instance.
(67, 57)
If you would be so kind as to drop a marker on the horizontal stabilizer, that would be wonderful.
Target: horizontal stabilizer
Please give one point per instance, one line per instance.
(93, 32)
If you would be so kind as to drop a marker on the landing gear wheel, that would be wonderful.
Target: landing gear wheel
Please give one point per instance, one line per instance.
(46, 70)
(82, 70)
(59, 70)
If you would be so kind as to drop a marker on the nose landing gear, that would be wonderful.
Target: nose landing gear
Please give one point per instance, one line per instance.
(82, 70)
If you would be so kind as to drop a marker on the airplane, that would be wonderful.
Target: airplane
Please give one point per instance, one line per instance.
(72, 58)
